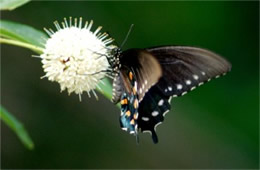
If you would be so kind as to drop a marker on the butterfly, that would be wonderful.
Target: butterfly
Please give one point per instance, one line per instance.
(145, 80)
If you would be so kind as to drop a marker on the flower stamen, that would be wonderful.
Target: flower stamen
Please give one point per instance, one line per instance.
(76, 57)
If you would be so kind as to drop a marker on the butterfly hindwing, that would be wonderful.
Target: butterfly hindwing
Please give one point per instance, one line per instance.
(148, 114)
(129, 102)
(129, 113)
(152, 110)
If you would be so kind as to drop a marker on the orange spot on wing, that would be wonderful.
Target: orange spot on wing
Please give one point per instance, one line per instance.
(124, 101)
(131, 75)
(136, 104)
(132, 122)
(134, 90)
(135, 116)
(128, 113)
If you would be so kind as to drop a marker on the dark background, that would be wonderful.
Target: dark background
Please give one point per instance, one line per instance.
(215, 126)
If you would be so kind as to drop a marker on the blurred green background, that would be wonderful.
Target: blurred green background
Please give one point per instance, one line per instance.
(215, 126)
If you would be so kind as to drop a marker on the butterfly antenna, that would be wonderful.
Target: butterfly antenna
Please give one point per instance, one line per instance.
(129, 31)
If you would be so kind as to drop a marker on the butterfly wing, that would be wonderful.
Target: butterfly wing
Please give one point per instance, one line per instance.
(152, 110)
(144, 66)
(163, 72)
(185, 68)
(129, 102)
(126, 85)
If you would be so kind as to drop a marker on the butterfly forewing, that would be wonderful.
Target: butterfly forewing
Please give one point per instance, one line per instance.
(185, 68)
(144, 66)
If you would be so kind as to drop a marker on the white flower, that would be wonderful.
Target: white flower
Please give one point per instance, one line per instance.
(75, 57)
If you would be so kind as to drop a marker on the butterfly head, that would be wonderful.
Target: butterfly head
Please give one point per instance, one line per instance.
(114, 60)
(116, 54)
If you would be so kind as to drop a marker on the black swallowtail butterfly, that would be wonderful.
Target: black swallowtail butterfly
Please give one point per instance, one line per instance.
(146, 80)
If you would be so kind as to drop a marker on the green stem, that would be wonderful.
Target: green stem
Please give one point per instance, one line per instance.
(17, 127)
(22, 44)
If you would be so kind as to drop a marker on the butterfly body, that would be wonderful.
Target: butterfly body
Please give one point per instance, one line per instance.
(146, 80)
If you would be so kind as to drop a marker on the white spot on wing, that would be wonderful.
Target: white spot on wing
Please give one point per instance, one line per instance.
(145, 119)
(165, 112)
(147, 131)
(170, 88)
(155, 113)
(179, 86)
(188, 82)
(203, 73)
(170, 99)
(196, 77)
(183, 93)
(145, 82)
(125, 129)
(193, 88)
(157, 125)
(160, 103)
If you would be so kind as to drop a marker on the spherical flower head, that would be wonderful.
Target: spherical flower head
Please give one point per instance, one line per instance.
(76, 57)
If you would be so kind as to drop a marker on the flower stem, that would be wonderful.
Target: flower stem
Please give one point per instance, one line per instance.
(22, 44)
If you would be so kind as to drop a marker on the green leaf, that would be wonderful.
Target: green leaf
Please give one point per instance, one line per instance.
(11, 4)
(21, 32)
(17, 127)
(37, 49)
